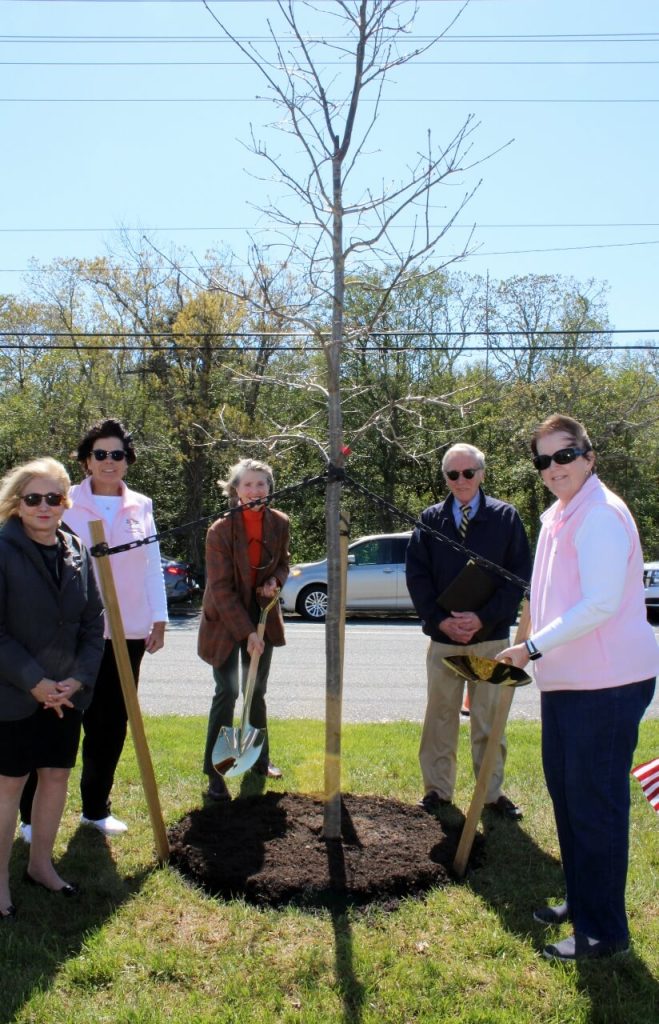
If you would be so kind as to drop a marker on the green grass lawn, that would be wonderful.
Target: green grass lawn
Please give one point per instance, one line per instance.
(141, 945)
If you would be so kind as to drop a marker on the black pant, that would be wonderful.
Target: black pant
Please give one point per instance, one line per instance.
(104, 726)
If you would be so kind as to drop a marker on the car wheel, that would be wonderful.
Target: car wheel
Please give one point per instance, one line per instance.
(312, 603)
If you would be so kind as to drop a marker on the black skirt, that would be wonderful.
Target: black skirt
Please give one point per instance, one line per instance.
(41, 741)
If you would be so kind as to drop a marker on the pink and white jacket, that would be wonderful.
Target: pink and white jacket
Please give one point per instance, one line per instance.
(591, 636)
(137, 573)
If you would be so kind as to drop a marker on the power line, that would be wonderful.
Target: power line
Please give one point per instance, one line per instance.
(173, 335)
(311, 349)
(331, 63)
(225, 227)
(267, 99)
(476, 254)
(414, 40)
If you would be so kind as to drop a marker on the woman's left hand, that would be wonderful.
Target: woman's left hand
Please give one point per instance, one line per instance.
(156, 638)
(516, 655)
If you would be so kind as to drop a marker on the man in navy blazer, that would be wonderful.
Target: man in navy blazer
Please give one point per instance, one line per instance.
(494, 530)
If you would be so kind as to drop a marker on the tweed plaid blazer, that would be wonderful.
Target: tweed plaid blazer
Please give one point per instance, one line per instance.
(225, 618)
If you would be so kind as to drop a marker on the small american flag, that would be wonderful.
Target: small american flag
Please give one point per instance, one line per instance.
(648, 775)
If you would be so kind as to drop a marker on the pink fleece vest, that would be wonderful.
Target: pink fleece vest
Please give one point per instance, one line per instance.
(623, 649)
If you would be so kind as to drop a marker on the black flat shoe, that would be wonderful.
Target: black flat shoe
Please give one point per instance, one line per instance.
(68, 889)
(9, 914)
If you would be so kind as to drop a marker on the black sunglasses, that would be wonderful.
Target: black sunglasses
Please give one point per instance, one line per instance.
(52, 498)
(455, 474)
(100, 454)
(562, 457)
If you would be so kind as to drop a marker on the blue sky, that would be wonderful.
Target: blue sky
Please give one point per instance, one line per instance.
(575, 192)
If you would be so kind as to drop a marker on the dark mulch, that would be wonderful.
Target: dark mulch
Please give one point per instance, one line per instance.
(270, 850)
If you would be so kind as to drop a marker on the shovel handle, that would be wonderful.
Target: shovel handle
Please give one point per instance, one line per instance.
(254, 662)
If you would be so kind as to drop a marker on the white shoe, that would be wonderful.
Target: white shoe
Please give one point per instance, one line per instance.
(25, 832)
(109, 826)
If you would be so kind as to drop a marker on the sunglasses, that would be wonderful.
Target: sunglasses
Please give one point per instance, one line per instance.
(100, 454)
(562, 457)
(455, 474)
(52, 498)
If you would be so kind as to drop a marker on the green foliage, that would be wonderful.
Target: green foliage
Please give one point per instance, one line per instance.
(208, 373)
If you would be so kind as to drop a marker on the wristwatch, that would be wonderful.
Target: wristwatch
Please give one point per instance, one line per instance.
(534, 653)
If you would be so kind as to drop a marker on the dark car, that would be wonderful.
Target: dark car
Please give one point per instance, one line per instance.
(180, 584)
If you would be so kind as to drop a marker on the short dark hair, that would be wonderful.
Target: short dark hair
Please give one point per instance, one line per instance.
(558, 423)
(106, 428)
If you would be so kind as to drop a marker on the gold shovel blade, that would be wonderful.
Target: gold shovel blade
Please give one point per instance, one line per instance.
(476, 669)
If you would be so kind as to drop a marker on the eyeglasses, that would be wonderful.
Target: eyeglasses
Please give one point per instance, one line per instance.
(455, 474)
(100, 454)
(52, 498)
(562, 457)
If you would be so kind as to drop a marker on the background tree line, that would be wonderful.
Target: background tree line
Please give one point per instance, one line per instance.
(202, 376)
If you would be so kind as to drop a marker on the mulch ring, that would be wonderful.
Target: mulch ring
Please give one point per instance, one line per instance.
(269, 849)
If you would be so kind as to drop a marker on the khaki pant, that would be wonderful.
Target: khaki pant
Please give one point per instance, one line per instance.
(441, 727)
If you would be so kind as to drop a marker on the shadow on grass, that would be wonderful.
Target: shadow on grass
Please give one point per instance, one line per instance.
(515, 876)
(351, 989)
(52, 929)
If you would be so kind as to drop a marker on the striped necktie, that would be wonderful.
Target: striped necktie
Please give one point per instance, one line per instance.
(464, 522)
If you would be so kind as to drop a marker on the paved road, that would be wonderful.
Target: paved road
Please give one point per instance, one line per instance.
(384, 674)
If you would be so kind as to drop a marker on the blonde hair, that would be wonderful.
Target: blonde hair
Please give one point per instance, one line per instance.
(236, 474)
(13, 482)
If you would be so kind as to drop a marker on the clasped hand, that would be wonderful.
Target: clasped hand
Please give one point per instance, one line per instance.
(460, 627)
(56, 695)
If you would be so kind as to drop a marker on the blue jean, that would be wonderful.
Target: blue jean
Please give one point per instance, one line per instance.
(588, 742)
(226, 678)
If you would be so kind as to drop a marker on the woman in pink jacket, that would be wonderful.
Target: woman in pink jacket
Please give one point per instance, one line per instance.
(105, 453)
(595, 660)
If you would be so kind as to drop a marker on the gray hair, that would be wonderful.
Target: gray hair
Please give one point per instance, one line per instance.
(464, 449)
(236, 474)
(13, 482)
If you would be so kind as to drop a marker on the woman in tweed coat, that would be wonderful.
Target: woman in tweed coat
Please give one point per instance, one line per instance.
(247, 560)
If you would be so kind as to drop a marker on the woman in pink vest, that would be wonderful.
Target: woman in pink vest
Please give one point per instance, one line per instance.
(595, 660)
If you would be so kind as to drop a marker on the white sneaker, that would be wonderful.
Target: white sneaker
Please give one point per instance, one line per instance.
(25, 832)
(109, 826)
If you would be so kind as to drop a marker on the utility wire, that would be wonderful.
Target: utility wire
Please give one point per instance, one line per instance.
(365, 100)
(284, 39)
(173, 335)
(326, 63)
(480, 227)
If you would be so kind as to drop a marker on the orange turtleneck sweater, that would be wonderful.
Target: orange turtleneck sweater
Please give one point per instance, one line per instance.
(253, 522)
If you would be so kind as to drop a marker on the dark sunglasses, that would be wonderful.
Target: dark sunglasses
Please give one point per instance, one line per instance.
(100, 454)
(562, 457)
(34, 499)
(264, 552)
(455, 474)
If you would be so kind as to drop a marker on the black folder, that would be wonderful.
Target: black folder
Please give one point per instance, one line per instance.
(469, 591)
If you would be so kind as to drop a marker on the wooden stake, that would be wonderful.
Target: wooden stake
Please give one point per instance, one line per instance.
(506, 694)
(129, 691)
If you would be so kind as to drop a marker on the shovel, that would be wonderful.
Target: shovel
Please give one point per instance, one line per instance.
(236, 750)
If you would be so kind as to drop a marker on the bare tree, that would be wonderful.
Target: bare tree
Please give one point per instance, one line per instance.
(327, 85)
